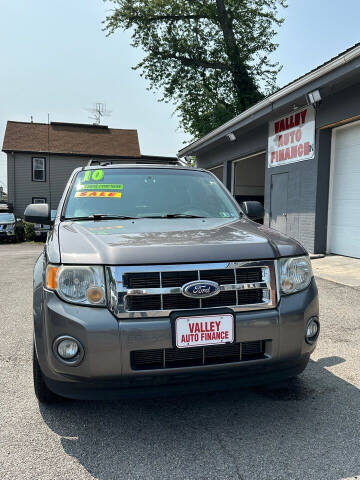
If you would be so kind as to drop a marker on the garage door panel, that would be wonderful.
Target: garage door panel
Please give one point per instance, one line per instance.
(346, 186)
(344, 212)
(348, 136)
(343, 244)
(344, 146)
(346, 162)
(339, 213)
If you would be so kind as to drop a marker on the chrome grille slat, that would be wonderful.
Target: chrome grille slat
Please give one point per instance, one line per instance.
(249, 278)
(178, 290)
(161, 295)
(200, 300)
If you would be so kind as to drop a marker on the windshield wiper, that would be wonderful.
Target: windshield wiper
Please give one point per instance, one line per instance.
(124, 217)
(102, 217)
(173, 215)
(180, 215)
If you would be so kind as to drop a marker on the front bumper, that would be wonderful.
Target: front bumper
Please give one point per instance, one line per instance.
(5, 234)
(106, 369)
(41, 233)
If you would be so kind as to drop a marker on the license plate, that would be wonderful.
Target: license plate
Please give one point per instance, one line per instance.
(204, 330)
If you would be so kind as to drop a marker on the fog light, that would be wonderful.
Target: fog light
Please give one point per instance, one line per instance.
(312, 330)
(68, 349)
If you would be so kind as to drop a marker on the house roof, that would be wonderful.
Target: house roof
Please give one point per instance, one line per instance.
(71, 138)
(334, 63)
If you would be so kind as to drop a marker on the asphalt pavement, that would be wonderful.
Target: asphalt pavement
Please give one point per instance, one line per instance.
(304, 429)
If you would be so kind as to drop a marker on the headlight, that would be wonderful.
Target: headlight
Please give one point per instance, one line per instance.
(77, 284)
(295, 274)
(10, 227)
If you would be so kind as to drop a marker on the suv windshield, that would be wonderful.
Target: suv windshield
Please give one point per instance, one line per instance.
(148, 192)
(7, 217)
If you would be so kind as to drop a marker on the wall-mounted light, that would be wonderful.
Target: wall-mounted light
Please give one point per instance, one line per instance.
(314, 98)
(231, 137)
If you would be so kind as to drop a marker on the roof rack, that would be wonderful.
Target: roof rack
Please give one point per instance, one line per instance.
(98, 162)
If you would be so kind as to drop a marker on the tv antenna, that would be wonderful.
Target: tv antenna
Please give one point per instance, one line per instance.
(98, 111)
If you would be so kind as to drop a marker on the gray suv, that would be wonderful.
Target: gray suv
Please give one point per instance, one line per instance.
(154, 279)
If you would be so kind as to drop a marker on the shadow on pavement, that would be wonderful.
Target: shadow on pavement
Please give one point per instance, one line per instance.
(305, 428)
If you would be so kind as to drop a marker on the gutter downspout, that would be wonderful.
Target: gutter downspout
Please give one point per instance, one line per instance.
(49, 161)
(14, 186)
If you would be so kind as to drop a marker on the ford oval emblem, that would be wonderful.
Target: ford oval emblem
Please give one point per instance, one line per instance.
(200, 289)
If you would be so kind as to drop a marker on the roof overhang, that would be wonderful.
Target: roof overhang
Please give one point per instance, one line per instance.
(278, 99)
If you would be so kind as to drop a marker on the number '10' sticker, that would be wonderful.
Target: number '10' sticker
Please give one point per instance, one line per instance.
(95, 175)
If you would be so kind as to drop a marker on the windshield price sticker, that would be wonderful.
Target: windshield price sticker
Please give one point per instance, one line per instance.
(101, 186)
(202, 331)
(98, 194)
(96, 175)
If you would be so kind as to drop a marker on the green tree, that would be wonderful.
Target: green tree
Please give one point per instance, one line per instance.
(209, 57)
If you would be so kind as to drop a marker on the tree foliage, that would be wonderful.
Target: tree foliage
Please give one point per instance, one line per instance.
(209, 57)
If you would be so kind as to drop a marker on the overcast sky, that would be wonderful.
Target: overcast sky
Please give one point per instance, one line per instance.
(56, 59)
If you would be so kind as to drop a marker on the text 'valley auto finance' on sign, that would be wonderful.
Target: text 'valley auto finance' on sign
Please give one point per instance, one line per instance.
(292, 137)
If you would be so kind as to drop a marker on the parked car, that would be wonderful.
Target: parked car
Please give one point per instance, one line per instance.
(154, 277)
(11, 228)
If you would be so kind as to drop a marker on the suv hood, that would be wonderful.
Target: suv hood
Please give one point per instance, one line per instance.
(168, 241)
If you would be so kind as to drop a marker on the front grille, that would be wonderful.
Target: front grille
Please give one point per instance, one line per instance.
(197, 356)
(140, 303)
(222, 277)
(174, 279)
(142, 280)
(246, 285)
(178, 302)
(248, 275)
(222, 299)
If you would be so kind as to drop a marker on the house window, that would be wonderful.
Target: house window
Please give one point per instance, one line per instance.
(38, 169)
(39, 200)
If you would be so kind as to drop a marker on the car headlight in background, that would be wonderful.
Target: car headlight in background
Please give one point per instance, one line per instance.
(77, 284)
(295, 274)
(10, 228)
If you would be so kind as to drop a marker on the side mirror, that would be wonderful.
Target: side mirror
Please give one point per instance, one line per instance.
(38, 213)
(253, 210)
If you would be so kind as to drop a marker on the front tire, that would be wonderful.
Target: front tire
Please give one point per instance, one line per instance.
(42, 392)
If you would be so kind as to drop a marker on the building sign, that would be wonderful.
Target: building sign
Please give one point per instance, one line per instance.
(292, 138)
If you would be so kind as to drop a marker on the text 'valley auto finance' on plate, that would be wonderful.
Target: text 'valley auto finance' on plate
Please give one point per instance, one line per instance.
(204, 330)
